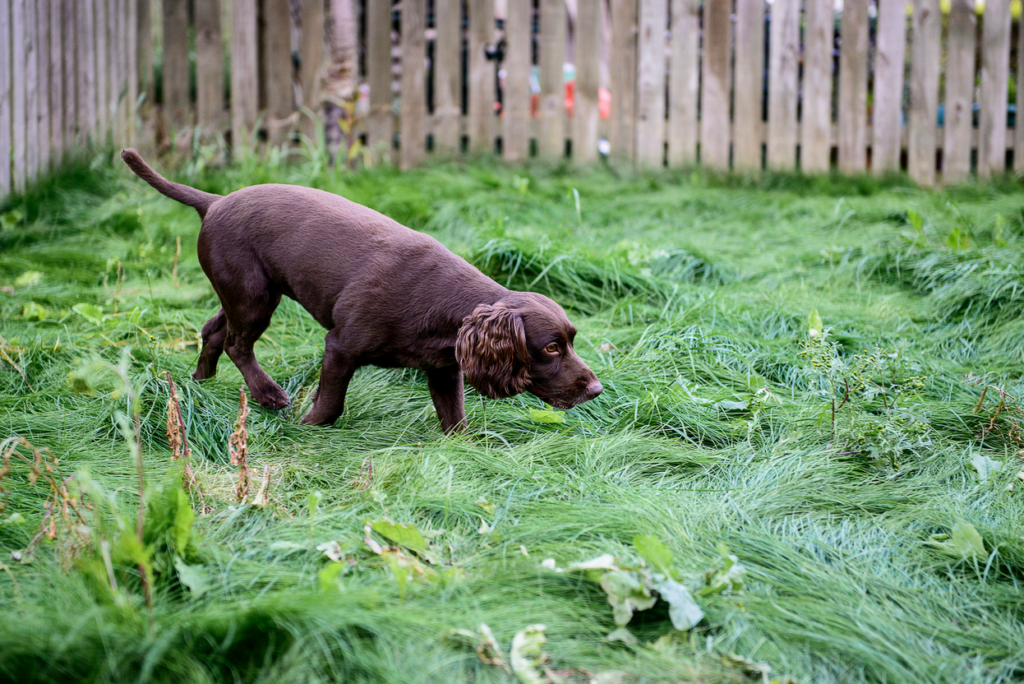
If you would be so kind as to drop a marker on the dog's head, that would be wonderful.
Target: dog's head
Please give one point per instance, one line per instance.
(524, 343)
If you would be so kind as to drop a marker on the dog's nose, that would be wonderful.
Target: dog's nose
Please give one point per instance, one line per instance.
(593, 389)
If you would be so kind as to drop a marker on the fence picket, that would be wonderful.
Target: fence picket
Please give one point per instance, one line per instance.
(714, 96)
(782, 84)
(379, 127)
(132, 68)
(244, 69)
(887, 111)
(650, 89)
(588, 55)
(995, 68)
(748, 83)
(414, 81)
(959, 108)
(1018, 129)
(31, 93)
(175, 64)
(515, 139)
(853, 86)
(684, 83)
(816, 103)
(311, 61)
(481, 76)
(103, 66)
(209, 67)
(18, 47)
(924, 91)
(115, 29)
(70, 80)
(551, 140)
(144, 49)
(5, 97)
(277, 70)
(43, 73)
(56, 123)
(447, 76)
(622, 69)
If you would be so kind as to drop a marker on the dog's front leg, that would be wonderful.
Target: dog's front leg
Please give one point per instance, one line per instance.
(338, 369)
(446, 390)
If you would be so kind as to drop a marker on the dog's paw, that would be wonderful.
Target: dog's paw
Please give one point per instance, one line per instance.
(271, 397)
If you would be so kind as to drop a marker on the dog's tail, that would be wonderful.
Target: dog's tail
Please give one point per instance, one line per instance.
(198, 199)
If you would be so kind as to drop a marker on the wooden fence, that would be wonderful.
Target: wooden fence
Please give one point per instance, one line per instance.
(861, 85)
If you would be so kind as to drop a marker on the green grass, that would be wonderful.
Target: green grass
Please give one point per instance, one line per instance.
(693, 295)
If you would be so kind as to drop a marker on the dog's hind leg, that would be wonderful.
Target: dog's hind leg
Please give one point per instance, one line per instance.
(247, 319)
(337, 372)
(214, 333)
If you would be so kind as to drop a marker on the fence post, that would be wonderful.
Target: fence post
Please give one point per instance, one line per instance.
(209, 66)
(515, 139)
(413, 144)
(749, 82)
(175, 64)
(588, 59)
(782, 84)
(650, 84)
(551, 139)
(244, 83)
(995, 66)
(144, 50)
(684, 79)
(816, 106)
(379, 127)
(924, 91)
(714, 98)
(311, 61)
(481, 76)
(5, 97)
(623, 79)
(115, 28)
(447, 76)
(887, 112)
(853, 87)
(43, 61)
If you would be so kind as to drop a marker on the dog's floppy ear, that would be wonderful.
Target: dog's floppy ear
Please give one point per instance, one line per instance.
(491, 348)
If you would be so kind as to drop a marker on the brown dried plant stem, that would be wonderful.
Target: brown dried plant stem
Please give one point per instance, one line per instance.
(177, 438)
(238, 448)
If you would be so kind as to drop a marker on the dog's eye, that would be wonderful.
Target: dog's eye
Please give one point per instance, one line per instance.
(552, 348)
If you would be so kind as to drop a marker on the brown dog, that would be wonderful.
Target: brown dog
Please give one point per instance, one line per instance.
(387, 295)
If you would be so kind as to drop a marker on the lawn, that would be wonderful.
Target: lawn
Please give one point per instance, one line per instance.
(808, 455)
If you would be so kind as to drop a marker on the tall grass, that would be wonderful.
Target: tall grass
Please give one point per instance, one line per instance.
(694, 295)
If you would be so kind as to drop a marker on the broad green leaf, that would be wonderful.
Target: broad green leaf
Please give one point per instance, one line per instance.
(622, 634)
(34, 312)
(985, 466)
(183, 518)
(628, 591)
(405, 534)
(915, 220)
(683, 610)
(727, 578)
(815, 323)
(28, 279)
(965, 542)
(329, 575)
(89, 312)
(733, 405)
(545, 416)
(528, 654)
(654, 552)
(192, 576)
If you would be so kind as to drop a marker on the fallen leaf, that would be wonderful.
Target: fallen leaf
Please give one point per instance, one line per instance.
(683, 610)
(622, 634)
(964, 543)
(527, 654)
(985, 466)
(405, 534)
(89, 312)
(193, 577)
(332, 550)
